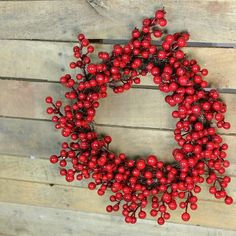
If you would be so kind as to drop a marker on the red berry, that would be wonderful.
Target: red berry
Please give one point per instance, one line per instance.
(160, 221)
(107, 139)
(140, 164)
(142, 214)
(185, 216)
(48, 99)
(50, 110)
(109, 208)
(157, 33)
(135, 33)
(163, 22)
(73, 65)
(53, 159)
(204, 72)
(84, 42)
(92, 68)
(90, 49)
(159, 14)
(70, 178)
(228, 200)
(161, 55)
(226, 125)
(80, 37)
(137, 80)
(91, 186)
(181, 42)
(152, 160)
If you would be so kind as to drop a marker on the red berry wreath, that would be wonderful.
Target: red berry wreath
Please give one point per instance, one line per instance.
(200, 155)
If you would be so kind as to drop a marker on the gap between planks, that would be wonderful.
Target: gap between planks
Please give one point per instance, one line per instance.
(82, 199)
(123, 41)
(153, 87)
(108, 125)
(18, 218)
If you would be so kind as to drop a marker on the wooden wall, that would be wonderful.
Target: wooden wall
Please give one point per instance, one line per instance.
(35, 49)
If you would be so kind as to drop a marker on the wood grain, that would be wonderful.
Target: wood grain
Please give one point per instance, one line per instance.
(136, 108)
(20, 137)
(19, 220)
(41, 171)
(33, 138)
(81, 199)
(114, 19)
(49, 60)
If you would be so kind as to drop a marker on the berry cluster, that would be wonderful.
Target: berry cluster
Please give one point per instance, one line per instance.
(201, 153)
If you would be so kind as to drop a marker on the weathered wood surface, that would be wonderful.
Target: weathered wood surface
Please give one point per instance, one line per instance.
(37, 138)
(136, 108)
(19, 137)
(19, 220)
(207, 21)
(72, 198)
(40, 171)
(47, 61)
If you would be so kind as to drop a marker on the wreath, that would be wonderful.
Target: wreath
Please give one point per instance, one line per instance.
(200, 155)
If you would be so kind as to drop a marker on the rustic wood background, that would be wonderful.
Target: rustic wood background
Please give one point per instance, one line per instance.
(36, 39)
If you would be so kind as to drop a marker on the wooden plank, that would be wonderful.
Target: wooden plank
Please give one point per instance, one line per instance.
(114, 19)
(20, 138)
(49, 60)
(35, 139)
(35, 170)
(31, 97)
(81, 199)
(41, 171)
(16, 219)
(147, 108)
(136, 108)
